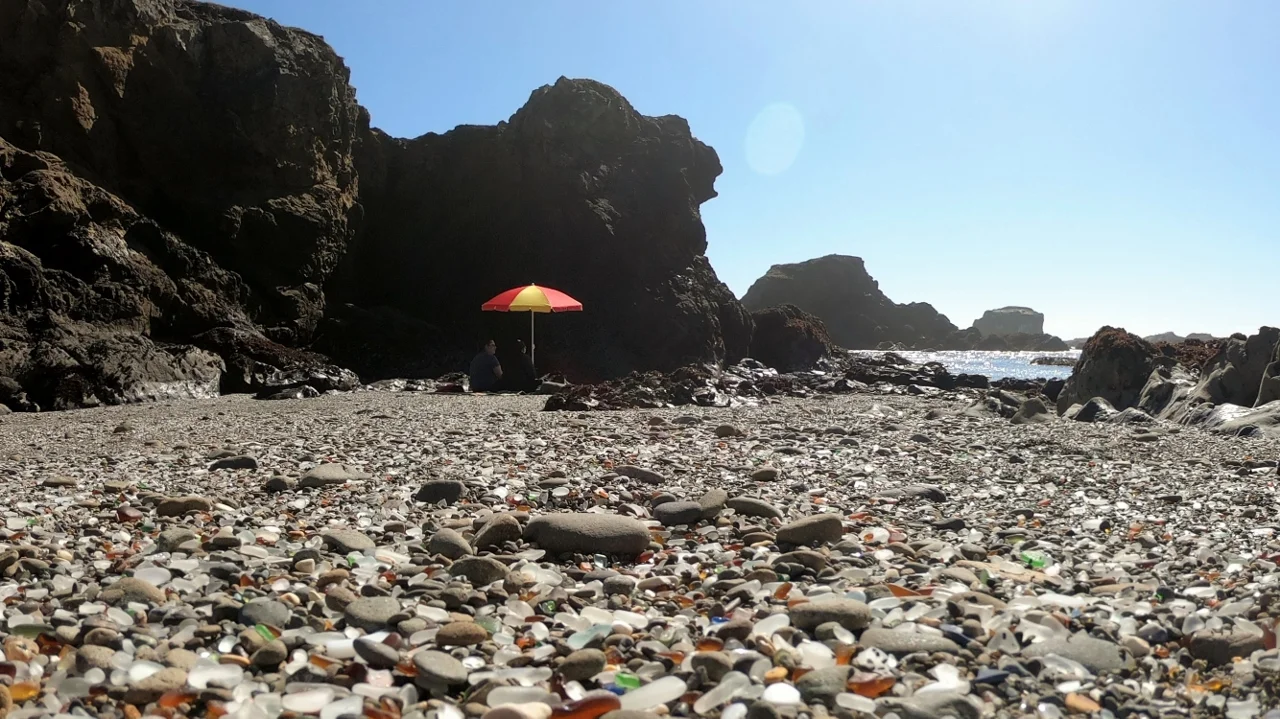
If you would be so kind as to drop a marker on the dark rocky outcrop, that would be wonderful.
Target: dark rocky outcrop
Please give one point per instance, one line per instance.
(789, 339)
(838, 290)
(1114, 365)
(191, 200)
(1010, 321)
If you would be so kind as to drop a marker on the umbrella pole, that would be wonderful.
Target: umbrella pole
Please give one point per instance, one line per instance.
(531, 345)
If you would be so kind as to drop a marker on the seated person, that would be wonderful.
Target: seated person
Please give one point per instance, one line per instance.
(485, 368)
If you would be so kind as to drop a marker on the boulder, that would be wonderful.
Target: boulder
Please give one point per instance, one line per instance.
(1114, 365)
(789, 339)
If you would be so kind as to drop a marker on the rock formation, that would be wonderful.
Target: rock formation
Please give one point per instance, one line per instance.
(1236, 390)
(1010, 321)
(1113, 365)
(838, 290)
(191, 200)
(789, 339)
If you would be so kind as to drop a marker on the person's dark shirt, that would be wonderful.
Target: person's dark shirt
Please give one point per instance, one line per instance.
(482, 372)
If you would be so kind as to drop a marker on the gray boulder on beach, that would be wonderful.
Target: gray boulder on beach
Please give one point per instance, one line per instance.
(588, 534)
(818, 529)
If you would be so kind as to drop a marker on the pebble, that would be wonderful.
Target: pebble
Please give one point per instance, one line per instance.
(371, 613)
(1096, 655)
(502, 528)
(378, 654)
(753, 507)
(130, 589)
(480, 571)
(903, 643)
(461, 634)
(582, 665)
(239, 461)
(329, 474)
(848, 613)
(673, 514)
(347, 541)
(1219, 648)
(435, 491)
(449, 543)
(438, 668)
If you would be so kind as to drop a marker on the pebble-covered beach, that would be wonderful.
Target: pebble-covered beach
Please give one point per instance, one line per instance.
(399, 554)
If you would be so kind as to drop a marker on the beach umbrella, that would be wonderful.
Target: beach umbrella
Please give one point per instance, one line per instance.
(534, 300)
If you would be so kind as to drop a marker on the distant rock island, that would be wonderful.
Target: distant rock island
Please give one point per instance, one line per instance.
(1174, 338)
(838, 290)
(1010, 321)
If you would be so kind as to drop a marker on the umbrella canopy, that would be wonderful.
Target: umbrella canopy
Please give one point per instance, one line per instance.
(532, 298)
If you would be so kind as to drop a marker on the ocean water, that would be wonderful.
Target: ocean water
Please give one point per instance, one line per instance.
(996, 365)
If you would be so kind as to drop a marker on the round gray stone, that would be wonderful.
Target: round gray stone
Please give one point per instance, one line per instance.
(449, 543)
(848, 613)
(434, 491)
(437, 668)
(377, 654)
(903, 643)
(1096, 655)
(583, 664)
(347, 541)
(264, 611)
(672, 514)
(498, 530)
(130, 589)
(372, 614)
(818, 529)
(822, 685)
(753, 507)
(480, 571)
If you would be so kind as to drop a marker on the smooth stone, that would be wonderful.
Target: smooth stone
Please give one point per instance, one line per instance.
(725, 431)
(92, 656)
(712, 502)
(1219, 648)
(461, 634)
(753, 507)
(435, 491)
(272, 654)
(372, 613)
(498, 530)
(436, 668)
(449, 543)
(265, 611)
(619, 584)
(715, 664)
(480, 571)
(817, 529)
(640, 473)
(240, 461)
(902, 643)
(766, 474)
(59, 482)
(822, 685)
(673, 514)
(848, 613)
(933, 705)
(1096, 655)
(330, 474)
(156, 686)
(527, 710)
(347, 541)
(377, 654)
(131, 589)
(178, 506)
(279, 483)
(587, 533)
(583, 664)
(170, 539)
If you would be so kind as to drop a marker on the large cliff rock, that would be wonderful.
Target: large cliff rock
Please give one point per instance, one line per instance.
(182, 174)
(838, 290)
(576, 191)
(1010, 321)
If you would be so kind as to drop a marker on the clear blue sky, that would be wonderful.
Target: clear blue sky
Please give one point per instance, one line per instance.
(1102, 161)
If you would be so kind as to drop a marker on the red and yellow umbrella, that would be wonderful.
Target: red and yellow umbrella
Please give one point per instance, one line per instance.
(534, 300)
